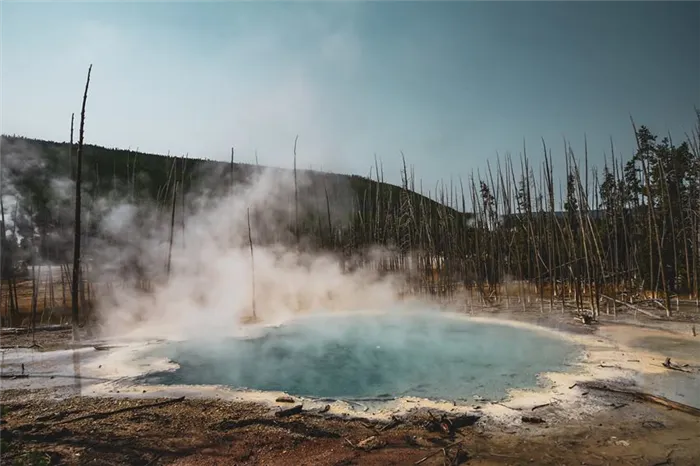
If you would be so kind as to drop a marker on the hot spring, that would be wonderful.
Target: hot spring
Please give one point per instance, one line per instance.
(352, 356)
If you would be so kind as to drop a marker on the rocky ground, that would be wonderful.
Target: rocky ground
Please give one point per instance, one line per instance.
(56, 426)
(38, 429)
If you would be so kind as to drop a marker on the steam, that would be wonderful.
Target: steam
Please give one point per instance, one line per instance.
(39, 199)
(209, 290)
(26, 178)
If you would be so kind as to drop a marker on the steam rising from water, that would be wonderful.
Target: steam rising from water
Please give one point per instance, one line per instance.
(210, 287)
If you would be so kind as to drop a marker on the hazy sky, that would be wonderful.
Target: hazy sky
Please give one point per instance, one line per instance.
(451, 84)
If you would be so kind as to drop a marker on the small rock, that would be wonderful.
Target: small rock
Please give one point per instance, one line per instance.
(533, 419)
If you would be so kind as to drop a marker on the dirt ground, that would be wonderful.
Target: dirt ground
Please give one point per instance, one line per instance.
(37, 429)
(48, 340)
(54, 426)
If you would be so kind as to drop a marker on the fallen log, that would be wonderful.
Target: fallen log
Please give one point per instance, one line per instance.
(16, 347)
(533, 420)
(289, 411)
(106, 347)
(642, 396)
(122, 410)
(634, 308)
(674, 367)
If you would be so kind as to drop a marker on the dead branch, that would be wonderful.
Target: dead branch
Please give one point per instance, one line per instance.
(674, 367)
(509, 407)
(395, 422)
(443, 449)
(122, 410)
(500, 455)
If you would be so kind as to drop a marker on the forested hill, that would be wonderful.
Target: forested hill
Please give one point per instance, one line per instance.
(376, 212)
(637, 225)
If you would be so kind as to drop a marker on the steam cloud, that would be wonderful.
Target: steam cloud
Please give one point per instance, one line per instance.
(209, 290)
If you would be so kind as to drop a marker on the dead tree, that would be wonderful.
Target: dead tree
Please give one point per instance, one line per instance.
(75, 288)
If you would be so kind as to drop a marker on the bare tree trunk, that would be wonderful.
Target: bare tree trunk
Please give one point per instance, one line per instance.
(64, 274)
(296, 194)
(36, 277)
(11, 303)
(76, 241)
(182, 196)
(252, 265)
(172, 228)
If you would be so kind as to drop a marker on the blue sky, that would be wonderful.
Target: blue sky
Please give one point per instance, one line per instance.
(451, 84)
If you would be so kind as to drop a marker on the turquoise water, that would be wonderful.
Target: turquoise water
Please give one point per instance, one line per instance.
(430, 355)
